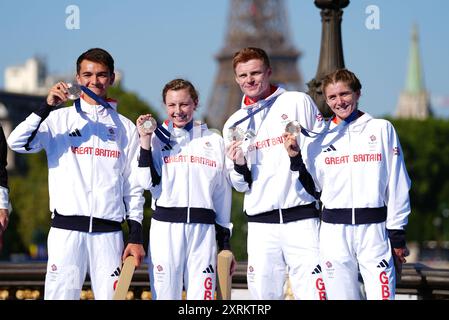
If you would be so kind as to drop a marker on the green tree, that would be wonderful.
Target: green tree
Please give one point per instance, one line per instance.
(240, 227)
(426, 153)
(130, 105)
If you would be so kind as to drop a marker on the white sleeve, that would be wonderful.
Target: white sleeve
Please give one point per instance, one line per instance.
(132, 191)
(222, 197)
(311, 118)
(22, 140)
(397, 191)
(309, 152)
(4, 198)
(237, 179)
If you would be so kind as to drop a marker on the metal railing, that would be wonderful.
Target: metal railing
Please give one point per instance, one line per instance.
(26, 281)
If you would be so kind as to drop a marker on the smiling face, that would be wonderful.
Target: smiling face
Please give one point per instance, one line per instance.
(341, 99)
(253, 77)
(95, 76)
(180, 107)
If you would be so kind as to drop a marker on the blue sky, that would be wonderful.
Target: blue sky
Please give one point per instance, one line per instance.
(155, 41)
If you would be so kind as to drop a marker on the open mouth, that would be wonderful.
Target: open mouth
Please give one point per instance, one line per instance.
(344, 108)
(180, 117)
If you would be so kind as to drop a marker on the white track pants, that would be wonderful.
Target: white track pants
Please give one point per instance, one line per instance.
(182, 254)
(274, 249)
(344, 249)
(72, 253)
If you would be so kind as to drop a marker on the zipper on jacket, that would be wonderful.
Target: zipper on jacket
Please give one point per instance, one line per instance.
(92, 179)
(350, 176)
(188, 174)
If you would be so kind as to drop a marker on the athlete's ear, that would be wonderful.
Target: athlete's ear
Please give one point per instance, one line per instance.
(236, 79)
(111, 82)
(270, 71)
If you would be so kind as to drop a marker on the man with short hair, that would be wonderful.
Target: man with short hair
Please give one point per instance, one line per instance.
(282, 216)
(92, 155)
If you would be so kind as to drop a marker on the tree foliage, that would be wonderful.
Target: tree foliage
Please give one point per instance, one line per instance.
(426, 153)
(130, 105)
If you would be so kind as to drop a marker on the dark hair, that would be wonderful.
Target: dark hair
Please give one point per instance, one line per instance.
(96, 55)
(179, 84)
(341, 75)
(250, 53)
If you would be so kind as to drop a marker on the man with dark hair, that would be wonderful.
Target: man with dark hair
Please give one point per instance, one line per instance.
(282, 216)
(91, 152)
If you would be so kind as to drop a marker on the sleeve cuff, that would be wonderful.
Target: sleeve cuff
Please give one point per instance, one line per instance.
(144, 158)
(44, 111)
(135, 232)
(223, 236)
(397, 238)
(243, 170)
(296, 162)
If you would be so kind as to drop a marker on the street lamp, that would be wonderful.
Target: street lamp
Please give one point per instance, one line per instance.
(331, 51)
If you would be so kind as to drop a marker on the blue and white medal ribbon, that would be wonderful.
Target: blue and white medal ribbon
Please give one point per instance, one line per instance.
(165, 135)
(345, 122)
(92, 95)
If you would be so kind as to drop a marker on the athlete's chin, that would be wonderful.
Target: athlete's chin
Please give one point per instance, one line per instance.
(343, 115)
(98, 92)
(252, 93)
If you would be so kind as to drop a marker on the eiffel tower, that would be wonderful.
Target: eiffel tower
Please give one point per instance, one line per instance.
(253, 23)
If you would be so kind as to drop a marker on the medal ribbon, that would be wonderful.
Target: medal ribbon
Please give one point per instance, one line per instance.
(345, 122)
(92, 95)
(165, 136)
(251, 114)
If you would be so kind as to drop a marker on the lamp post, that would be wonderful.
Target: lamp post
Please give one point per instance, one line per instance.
(331, 51)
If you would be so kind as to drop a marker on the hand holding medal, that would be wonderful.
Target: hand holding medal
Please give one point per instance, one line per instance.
(236, 134)
(293, 127)
(73, 91)
(149, 125)
(292, 131)
(234, 151)
(146, 125)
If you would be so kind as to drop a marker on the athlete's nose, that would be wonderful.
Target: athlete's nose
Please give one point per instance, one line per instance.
(339, 100)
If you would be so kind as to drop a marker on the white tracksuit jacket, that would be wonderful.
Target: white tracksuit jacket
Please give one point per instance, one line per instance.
(362, 166)
(283, 220)
(267, 158)
(192, 173)
(361, 172)
(90, 156)
(191, 199)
